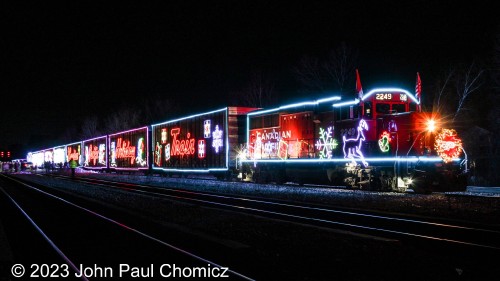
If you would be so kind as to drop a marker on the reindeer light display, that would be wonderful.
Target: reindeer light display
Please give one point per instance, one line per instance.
(352, 146)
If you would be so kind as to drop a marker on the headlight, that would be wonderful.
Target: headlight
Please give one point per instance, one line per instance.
(431, 125)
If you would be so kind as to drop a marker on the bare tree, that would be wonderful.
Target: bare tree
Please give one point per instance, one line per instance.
(258, 92)
(333, 73)
(157, 108)
(309, 73)
(494, 114)
(69, 135)
(496, 63)
(466, 84)
(442, 86)
(494, 97)
(89, 128)
(341, 65)
(123, 119)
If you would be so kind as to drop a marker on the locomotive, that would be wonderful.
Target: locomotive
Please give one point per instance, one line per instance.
(380, 140)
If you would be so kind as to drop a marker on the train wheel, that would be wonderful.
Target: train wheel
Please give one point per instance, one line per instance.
(351, 183)
(385, 183)
(422, 185)
(461, 182)
(279, 176)
(375, 183)
(261, 176)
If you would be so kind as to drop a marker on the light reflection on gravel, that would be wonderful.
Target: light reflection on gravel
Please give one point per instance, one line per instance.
(474, 206)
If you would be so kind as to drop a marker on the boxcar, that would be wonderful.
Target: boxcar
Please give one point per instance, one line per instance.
(95, 153)
(201, 143)
(129, 150)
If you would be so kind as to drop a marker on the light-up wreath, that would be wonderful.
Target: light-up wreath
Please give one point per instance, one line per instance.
(448, 145)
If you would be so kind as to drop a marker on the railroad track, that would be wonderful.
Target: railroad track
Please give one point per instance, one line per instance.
(334, 243)
(353, 221)
(82, 242)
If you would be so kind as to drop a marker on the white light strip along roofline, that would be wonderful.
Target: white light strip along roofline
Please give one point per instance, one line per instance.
(330, 99)
(378, 90)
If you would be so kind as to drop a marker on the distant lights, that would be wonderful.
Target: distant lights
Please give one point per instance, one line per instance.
(4, 154)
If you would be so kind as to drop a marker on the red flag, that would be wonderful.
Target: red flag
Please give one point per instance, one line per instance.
(418, 88)
(418, 92)
(359, 89)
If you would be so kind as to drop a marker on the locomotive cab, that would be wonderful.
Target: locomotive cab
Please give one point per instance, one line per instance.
(409, 136)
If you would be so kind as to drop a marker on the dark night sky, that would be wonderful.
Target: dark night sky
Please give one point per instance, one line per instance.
(62, 61)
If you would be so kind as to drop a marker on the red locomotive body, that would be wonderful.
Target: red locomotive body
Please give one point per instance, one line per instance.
(379, 142)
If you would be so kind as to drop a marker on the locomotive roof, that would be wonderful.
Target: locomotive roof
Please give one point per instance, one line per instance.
(295, 105)
(389, 90)
(337, 99)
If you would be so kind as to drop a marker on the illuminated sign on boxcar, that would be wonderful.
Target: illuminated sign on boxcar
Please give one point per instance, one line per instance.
(73, 151)
(129, 149)
(197, 143)
(37, 158)
(49, 155)
(59, 155)
(95, 153)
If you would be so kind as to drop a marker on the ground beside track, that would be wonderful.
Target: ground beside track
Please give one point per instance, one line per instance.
(477, 205)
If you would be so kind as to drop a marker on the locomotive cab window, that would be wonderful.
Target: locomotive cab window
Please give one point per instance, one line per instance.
(383, 108)
(350, 112)
(367, 110)
(398, 108)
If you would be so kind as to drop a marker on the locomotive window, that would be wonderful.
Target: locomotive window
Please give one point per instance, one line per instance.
(368, 110)
(343, 113)
(271, 120)
(265, 121)
(383, 108)
(353, 112)
(398, 108)
(255, 122)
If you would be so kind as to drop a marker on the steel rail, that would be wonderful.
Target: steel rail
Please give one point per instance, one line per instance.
(189, 196)
(171, 246)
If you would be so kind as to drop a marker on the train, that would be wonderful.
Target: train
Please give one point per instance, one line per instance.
(379, 140)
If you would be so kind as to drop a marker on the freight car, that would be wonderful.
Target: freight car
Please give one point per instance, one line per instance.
(95, 153)
(129, 150)
(201, 143)
(57, 156)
